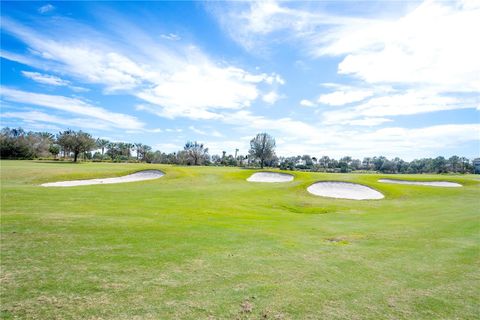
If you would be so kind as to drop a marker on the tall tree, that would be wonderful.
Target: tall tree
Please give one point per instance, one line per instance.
(454, 163)
(128, 148)
(138, 149)
(366, 163)
(224, 154)
(112, 150)
(439, 165)
(262, 147)
(195, 153)
(145, 151)
(15, 145)
(76, 142)
(324, 161)
(40, 142)
(102, 144)
(54, 150)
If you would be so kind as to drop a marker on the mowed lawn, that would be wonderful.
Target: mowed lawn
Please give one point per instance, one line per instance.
(203, 243)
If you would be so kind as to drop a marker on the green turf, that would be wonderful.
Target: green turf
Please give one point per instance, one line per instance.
(203, 243)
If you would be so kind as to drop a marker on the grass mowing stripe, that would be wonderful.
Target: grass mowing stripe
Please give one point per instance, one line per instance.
(203, 243)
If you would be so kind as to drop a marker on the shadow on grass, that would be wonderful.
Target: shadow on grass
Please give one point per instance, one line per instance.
(58, 161)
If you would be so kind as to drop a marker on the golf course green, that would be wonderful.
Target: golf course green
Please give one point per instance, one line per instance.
(204, 243)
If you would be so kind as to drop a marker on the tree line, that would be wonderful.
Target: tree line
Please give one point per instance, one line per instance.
(454, 164)
(74, 145)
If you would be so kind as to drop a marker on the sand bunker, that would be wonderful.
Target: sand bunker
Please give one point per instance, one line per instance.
(270, 177)
(137, 176)
(344, 190)
(423, 183)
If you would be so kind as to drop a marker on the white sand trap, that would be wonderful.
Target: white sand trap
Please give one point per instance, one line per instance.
(137, 176)
(424, 183)
(270, 177)
(344, 190)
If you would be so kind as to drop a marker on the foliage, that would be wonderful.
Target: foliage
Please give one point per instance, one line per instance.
(18, 144)
(54, 149)
(195, 153)
(102, 144)
(381, 164)
(262, 147)
(76, 142)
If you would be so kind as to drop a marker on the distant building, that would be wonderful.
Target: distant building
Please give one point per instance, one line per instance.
(476, 165)
(301, 162)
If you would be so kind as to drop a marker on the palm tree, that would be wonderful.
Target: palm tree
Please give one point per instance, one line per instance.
(324, 161)
(138, 148)
(145, 152)
(224, 154)
(454, 161)
(112, 148)
(47, 136)
(464, 163)
(367, 161)
(17, 132)
(126, 148)
(102, 144)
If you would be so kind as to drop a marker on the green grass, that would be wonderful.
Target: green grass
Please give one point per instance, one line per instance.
(203, 243)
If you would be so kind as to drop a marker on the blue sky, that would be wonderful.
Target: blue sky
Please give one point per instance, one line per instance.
(324, 78)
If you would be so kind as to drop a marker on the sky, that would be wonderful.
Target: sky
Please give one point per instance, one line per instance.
(336, 78)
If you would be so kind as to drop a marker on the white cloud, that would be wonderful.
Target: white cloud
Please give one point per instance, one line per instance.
(368, 121)
(171, 36)
(307, 103)
(276, 78)
(422, 72)
(37, 117)
(168, 147)
(52, 80)
(297, 137)
(433, 137)
(46, 8)
(23, 59)
(79, 89)
(37, 126)
(253, 123)
(152, 72)
(396, 104)
(45, 78)
(434, 44)
(271, 97)
(217, 134)
(261, 19)
(409, 103)
(339, 98)
(209, 88)
(207, 132)
(391, 142)
(72, 105)
(204, 133)
(88, 59)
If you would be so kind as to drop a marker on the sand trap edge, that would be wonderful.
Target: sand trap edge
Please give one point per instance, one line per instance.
(142, 175)
(257, 177)
(438, 184)
(377, 195)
